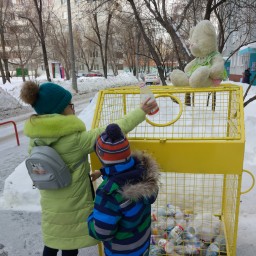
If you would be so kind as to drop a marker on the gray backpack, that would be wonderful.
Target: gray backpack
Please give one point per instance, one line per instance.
(47, 169)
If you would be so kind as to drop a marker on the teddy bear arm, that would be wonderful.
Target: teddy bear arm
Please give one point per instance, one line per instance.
(189, 65)
(217, 68)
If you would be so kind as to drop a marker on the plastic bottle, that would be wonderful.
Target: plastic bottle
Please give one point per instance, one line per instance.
(221, 242)
(187, 249)
(156, 250)
(161, 211)
(188, 215)
(177, 232)
(170, 224)
(189, 233)
(179, 215)
(169, 247)
(162, 242)
(158, 227)
(146, 93)
(213, 250)
(170, 210)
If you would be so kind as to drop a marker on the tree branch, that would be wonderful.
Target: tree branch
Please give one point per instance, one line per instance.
(249, 87)
(250, 100)
(33, 25)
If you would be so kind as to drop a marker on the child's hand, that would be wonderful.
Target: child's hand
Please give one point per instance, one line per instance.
(95, 175)
(147, 106)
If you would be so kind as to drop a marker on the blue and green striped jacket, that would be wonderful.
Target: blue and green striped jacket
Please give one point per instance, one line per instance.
(122, 210)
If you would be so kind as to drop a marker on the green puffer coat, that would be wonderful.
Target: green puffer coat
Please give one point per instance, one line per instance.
(65, 211)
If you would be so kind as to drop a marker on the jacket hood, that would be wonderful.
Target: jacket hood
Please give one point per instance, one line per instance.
(148, 186)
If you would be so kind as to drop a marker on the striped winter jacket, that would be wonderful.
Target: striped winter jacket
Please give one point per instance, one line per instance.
(122, 209)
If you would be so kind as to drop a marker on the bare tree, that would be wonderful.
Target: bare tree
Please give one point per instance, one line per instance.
(147, 40)
(101, 17)
(103, 45)
(39, 24)
(130, 40)
(85, 51)
(59, 44)
(23, 45)
(253, 98)
(233, 17)
(4, 20)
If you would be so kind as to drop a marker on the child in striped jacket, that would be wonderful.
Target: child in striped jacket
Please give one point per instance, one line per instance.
(122, 207)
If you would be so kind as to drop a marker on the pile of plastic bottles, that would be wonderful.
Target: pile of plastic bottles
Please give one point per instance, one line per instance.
(172, 233)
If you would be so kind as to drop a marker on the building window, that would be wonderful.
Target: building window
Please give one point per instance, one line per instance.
(96, 67)
(64, 15)
(63, 1)
(18, 1)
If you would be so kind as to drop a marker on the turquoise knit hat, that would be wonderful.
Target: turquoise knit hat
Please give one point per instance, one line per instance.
(52, 99)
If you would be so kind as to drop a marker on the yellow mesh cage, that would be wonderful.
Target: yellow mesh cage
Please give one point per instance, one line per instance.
(197, 137)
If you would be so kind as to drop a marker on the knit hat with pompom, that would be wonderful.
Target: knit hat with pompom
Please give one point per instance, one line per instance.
(48, 98)
(112, 147)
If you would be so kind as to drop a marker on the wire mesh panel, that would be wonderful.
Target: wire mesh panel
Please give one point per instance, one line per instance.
(231, 202)
(204, 205)
(208, 132)
(195, 121)
(197, 137)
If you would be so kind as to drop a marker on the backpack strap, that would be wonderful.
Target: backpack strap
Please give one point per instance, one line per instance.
(39, 142)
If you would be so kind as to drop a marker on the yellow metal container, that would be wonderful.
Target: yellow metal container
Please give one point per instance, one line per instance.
(197, 137)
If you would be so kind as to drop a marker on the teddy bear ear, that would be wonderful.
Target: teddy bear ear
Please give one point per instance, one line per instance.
(207, 28)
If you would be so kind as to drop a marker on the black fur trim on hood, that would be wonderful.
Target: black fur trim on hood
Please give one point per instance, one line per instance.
(149, 185)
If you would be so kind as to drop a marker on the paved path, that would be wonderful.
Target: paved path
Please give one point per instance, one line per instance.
(20, 231)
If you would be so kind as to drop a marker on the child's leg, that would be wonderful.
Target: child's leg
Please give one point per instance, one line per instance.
(49, 251)
(69, 252)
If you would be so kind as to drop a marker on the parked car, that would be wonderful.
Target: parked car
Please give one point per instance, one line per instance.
(94, 73)
(152, 79)
(80, 75)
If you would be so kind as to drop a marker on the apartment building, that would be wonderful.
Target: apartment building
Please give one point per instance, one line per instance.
(21, 46)
(244, 57)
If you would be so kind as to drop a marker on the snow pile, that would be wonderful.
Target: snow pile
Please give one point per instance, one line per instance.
(92, 84)
(8, 101)
(18, 189)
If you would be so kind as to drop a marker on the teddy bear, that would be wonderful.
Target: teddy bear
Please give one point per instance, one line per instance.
(207, 69)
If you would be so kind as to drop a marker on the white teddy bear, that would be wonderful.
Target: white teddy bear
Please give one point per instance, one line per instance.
(207, 69)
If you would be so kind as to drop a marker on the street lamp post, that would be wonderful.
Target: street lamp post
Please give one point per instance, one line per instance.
(73, 67)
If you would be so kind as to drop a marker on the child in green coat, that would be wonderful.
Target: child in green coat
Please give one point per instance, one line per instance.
(64, 210)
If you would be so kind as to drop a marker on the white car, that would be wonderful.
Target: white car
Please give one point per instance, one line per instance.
(152, 79)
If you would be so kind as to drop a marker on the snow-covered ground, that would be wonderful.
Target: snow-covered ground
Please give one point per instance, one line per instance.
(20, 215)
